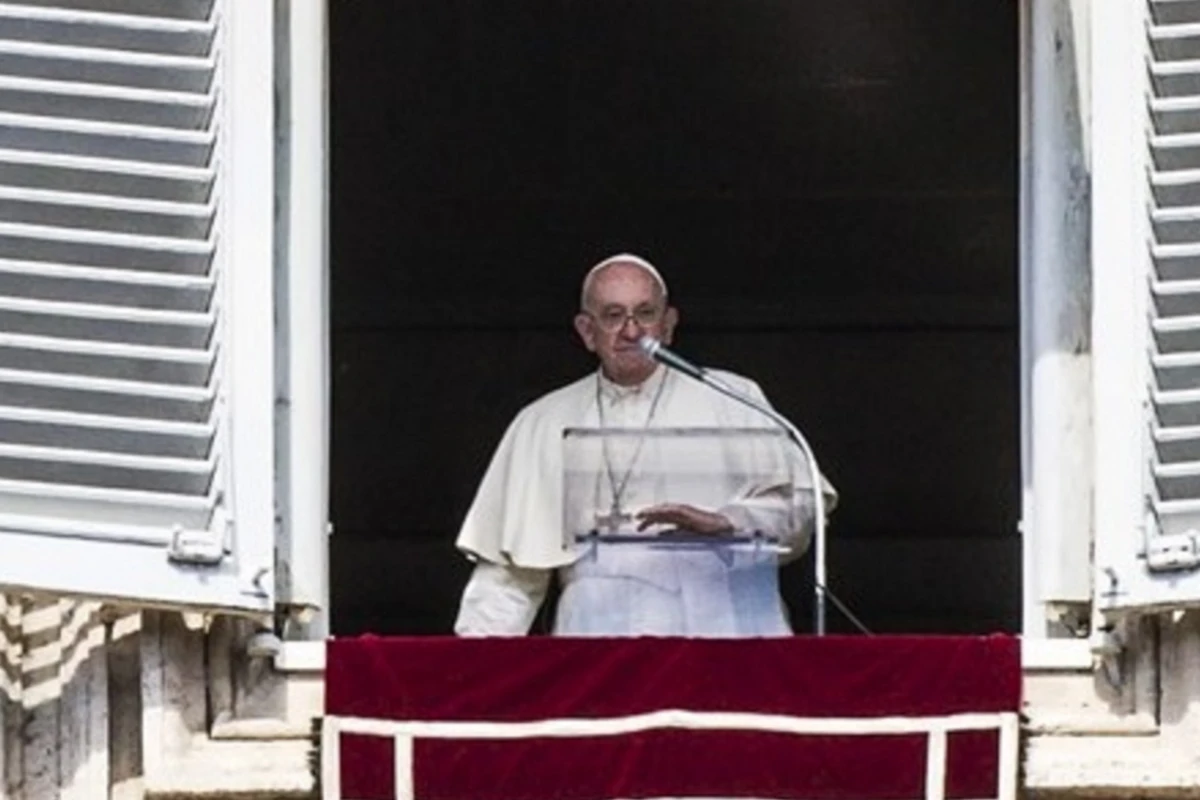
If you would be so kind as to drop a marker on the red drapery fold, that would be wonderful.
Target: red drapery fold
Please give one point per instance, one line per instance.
(529, 679)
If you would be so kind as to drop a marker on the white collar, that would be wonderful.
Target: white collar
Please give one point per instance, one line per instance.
(615, 392)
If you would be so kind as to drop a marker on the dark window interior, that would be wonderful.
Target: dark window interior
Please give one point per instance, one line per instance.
(830, 189)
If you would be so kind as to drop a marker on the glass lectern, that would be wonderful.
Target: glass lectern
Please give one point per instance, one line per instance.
(669, 578)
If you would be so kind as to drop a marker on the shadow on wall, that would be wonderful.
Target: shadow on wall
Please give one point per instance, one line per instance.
(55, 666)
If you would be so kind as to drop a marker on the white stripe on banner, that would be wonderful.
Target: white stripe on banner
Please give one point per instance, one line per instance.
(331, 759)
(674, 718)
(1010, 749)
(935, 766)
(937, 728)
(404, 768)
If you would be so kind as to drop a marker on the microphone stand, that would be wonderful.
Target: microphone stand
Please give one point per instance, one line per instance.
(818, 490)
(656, 350)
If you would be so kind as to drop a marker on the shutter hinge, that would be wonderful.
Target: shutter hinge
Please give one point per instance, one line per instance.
(206, 547)
(1173, 552)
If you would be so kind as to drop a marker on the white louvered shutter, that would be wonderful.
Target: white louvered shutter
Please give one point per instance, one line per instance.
(135, 300)
(1146, 256)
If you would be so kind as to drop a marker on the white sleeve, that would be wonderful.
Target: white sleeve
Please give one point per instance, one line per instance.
(793, 522)
(786, 512)
(501, 600)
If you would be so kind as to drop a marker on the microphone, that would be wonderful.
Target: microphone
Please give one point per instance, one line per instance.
(664, 355)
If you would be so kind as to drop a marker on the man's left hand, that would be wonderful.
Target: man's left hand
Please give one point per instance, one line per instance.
(688, 518)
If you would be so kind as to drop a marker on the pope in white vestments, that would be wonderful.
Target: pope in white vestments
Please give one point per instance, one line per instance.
(515, 529)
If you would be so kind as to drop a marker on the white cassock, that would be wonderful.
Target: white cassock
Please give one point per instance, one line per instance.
(515, 528)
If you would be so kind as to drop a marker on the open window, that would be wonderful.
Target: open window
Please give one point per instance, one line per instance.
(831, 190)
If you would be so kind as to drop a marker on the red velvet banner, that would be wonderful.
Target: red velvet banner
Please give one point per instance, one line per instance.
(530, 679)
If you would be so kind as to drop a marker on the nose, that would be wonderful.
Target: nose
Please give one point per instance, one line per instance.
(631, 329)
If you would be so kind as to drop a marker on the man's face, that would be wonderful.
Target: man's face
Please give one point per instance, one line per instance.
(624, 304)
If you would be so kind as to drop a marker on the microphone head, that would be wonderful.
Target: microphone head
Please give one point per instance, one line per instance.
(649, 344)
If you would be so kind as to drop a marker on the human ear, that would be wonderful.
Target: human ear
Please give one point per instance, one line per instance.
(670, 320)
(586, 330)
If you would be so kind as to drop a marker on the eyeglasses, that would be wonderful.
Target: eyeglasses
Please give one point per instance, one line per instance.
(614, 319)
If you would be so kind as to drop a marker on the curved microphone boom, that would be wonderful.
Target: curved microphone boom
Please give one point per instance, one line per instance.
(663, 355)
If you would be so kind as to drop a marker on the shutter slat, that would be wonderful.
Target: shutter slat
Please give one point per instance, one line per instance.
(148, 427)
(104, 360)
(101, 29)
(1176, 375)
(162, 245)
(66, 392)
(129, 280)
(1177, 151)
(102, 14)
(107, 468)
(133, 389)
(184, 9)
(48, 346)
(104, 104)
(104, 213)
(119, 287)
(1177, 188)
(1178, 444)
(134, 326)
(100, 165)
(113, 313)
(116, 67)
(113, 96)
(86, 175)
(1175, 42)
(1166, 12)
(144, 143)
(91, 504)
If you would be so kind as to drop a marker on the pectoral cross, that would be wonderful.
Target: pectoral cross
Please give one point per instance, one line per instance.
(613, 520)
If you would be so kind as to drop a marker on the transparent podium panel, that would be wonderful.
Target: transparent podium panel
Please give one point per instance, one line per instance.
(645, 576)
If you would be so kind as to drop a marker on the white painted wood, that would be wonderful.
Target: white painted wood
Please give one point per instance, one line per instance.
(136, 353)
(73, 562)
(248, 217)
(1147, 314)
(1119, 270)
(1055, 310)
(304, 410)
(1033, 620)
